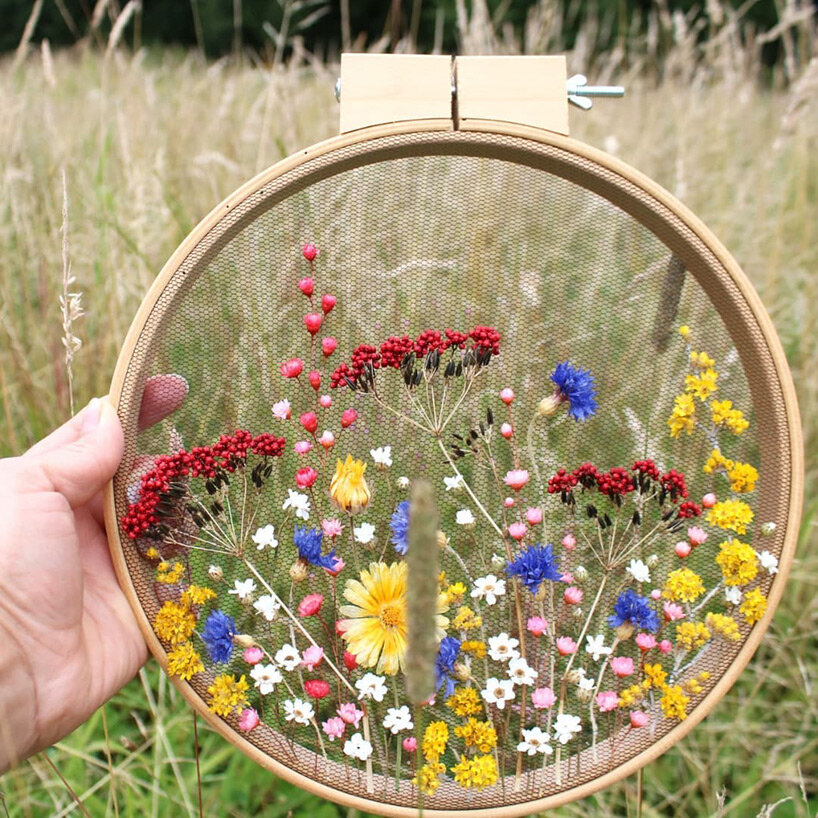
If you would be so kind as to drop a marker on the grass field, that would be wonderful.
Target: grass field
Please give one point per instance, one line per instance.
(149, 143)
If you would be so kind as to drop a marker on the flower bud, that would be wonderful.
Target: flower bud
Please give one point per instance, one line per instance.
(243, 640)
(309, 251)
(462, 671)
(327, 303)
(315, 379)
(348, 418)
(624, 631)
(299, 570)
(216, 573)
(767, 529)
(548, 406)
(442, 539)
(313, 321)
(497, 561)
(652, 561)
(307, 286)
(580, 574)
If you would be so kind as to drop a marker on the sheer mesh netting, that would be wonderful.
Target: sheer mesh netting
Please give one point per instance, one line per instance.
(610, 524)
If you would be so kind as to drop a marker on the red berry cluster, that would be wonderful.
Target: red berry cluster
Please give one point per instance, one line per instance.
(562, 481)
(646, 468)
(674, 484)
(689, 509)
(394, 349)
(587, 474)
(616, 481)
(202, 461)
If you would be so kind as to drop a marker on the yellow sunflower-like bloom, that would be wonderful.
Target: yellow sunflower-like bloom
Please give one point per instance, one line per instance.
(184, 662)
(348, 489)
(477, 772)
(375, 626)
(733, 514)
(738, 562)
(227, 693)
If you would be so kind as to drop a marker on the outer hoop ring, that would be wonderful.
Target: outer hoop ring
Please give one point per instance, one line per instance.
(614, 169)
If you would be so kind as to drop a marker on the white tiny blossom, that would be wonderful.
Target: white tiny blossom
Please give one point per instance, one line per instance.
(265, 537)
(298, 711)
(403, 482)
(216, 573)
(364, 533)
(585, 683)
(266, 678)
(535, 741)
(639, 571)
(498, 691)
(566, 727)
(299, 503)
(398, 719)
(455, 483)
(268, 606)
(382, 456)
(503, 647)
(595, 645)
(488, 588)
(243, 589)
(288, 657)
(464, 517)
(281, 409)
(497, 561)
(371, 686)
(733, 595)
(357, 747)
(769, 562)
(520, 672)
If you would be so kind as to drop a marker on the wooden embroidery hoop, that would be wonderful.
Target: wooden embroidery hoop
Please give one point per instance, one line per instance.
(512, 108)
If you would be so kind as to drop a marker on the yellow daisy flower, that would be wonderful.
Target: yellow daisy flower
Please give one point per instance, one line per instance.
(738, 562)
(174, 623)
(348, 489)
(184, 662)
(227, 693)
(754, 606)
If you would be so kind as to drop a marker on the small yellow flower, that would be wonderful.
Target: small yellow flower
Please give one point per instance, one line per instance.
(428, 778)
(691, 635)
(466, 619)
(465, 701)
(725, 416)
(152, 553)
(655, 675)
(717, 462)
(701, 360)
(478, 734)
(227, 693)
(703, 385)
(348, 489)
(631, 696)
(477, 772)
(455, 593)
(174, 623)
(743, 477)
(733, 514)
(184, 662)
(674, 703)
(684, 331)
(683, 585)
(724, 626)
(683, 417)
(474, 647)
(754, 606)
(196, 595)
(434, 740)
(738, 562)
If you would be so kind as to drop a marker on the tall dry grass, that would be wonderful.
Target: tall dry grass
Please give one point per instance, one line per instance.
(150, 142)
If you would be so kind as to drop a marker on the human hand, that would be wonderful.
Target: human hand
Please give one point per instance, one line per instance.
(68, 637)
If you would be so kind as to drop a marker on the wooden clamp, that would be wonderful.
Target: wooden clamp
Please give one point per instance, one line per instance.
(454, 92)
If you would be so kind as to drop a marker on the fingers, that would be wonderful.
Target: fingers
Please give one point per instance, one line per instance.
(162, 395)
(78, 469)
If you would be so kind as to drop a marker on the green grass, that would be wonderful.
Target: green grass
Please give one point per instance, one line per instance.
(149, 145)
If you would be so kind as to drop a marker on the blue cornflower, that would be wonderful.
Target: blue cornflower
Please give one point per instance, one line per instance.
(308, 542)
(399, 523)
(577, 387)
(444, 664)
(534, 565)
(218, 633)
(630, 607)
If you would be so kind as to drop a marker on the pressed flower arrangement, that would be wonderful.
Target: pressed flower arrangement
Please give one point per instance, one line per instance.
(606, 535)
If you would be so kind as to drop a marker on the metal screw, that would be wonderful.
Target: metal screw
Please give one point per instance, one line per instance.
(579, 92)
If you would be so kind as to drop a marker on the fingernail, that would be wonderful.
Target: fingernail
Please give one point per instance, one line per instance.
(90, 417)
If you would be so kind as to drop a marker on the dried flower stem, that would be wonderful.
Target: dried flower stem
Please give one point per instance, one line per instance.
(70, 303)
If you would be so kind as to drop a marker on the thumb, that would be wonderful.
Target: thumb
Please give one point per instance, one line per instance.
(80, 467)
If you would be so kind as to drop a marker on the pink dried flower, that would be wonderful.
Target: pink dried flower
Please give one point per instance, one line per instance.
(313, 321)
(331, 528)
(569, 541)
(291, 368)
(350, 660)
(253, 655)
(312, 657)
(325, 401)
(348, 417)
(607, 700)
(507, 396)
(696, 535)
(316, 688)
(509, 502)
(507, 430)
(282, 410)
(543, 698)
(516, 478)
(334, 727)
(709, 500)
(673, 611)
(566, 646)
(310, 604)
(248, 719)
(645, 641)
(328, 345)
(655, 594)
(327, 439)
(306, 477)
(682, 549)
(622, 666)
(337, 567)
(638, 718)
(315, 379)
(327, 303)
(302, 447)
(309, 251)
(410, 744)
(536, 625)
(666, 646)
(567, 577)
(350, 714)
(573, 595)
(517, 530)
(307, 286)
(309, 421)
(533, 515)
